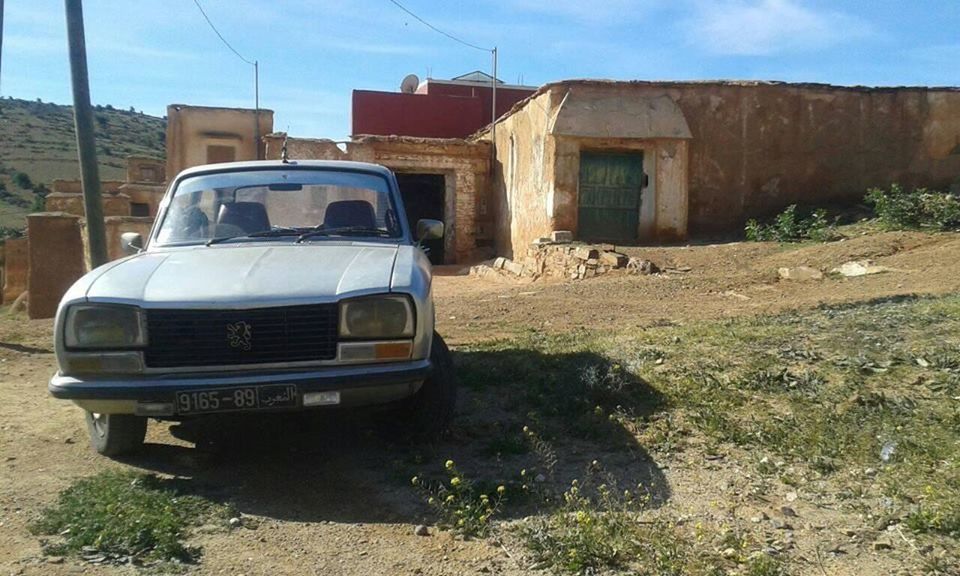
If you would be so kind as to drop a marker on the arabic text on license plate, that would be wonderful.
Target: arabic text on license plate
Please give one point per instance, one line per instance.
(232, 399)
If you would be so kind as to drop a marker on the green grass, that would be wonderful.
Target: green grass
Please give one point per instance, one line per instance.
(37, 139)
(122, 514)
(820, 393)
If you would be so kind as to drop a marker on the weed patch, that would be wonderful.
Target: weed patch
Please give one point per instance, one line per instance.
(919, 208)
(125, 516)
(791, 226)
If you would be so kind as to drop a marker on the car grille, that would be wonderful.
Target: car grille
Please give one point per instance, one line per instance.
(181, 338)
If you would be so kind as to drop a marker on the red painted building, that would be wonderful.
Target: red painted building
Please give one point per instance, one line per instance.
(436, 109)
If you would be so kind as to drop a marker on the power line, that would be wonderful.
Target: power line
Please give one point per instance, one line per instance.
(219, 35)
(435, 29)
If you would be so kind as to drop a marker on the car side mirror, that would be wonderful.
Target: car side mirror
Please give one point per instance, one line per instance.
(429, 230)
(131, 242)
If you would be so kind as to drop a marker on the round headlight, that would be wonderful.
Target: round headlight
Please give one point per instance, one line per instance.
(377, 317)
(104, 326)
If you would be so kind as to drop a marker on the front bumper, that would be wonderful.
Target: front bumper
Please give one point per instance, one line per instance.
(358, 385)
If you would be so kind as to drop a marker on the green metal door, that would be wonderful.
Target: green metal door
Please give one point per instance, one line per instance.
(610, 186)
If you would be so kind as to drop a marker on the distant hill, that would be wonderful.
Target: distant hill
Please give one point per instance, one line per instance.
(37, 140)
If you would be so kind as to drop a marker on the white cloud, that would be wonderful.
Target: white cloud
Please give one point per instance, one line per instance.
(605, 12)
(763, 27)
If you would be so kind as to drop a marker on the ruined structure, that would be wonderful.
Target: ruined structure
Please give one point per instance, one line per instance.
(672, 160)
(206, 135)
(444, 179)
(615, 163)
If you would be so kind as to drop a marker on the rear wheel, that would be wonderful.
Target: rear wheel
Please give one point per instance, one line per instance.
(428, 413)
(116, 434)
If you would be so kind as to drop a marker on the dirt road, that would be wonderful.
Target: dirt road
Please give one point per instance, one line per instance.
(336, 503)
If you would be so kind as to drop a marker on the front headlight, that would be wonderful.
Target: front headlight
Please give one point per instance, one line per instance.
(104, 326)
(376, 317)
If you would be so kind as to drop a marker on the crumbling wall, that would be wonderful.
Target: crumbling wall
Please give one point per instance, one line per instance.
(464, 165)
(55, 260)
(15, 268)
(199, 135)
(523, 193)
(71, 203)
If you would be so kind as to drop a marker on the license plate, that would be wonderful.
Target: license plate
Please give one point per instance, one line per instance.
(233, 399)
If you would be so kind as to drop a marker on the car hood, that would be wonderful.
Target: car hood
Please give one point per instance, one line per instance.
(247, 275)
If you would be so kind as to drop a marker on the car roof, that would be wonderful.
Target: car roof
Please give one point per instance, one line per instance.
(289, 165)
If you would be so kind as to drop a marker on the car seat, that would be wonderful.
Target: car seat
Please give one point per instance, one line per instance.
(349, 213)
(242, 218)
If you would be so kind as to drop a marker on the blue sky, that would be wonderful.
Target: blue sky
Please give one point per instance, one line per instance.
(149, 53)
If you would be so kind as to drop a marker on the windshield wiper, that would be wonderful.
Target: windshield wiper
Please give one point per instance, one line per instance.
(343, 231)
(273, 233)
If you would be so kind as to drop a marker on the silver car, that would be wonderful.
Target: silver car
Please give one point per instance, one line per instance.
(263, 286)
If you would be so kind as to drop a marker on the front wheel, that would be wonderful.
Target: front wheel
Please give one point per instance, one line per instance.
(428, 413)
(116, 434)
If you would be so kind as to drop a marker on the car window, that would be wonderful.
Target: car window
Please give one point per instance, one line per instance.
(239, 204)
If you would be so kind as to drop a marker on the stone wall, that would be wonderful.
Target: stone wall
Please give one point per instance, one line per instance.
(146, 169)
(15, 268)
(728, 151)
(465, 166)
(71, 203)
(76, 186)
(118, 225)
(55, 260)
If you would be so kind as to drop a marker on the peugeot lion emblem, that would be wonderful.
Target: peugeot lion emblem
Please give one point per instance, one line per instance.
(240, 335)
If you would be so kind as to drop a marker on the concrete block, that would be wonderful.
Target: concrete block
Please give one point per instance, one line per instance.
(562, 236)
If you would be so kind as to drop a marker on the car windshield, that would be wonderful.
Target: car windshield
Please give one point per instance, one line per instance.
(293, 204)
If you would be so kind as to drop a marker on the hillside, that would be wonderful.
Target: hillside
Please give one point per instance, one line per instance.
(37, 139)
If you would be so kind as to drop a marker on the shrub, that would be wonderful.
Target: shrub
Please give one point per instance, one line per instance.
(919, 208)
(22, 180)
(789, 226)
(461, 505)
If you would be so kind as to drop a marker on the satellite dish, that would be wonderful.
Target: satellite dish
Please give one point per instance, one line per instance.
(410, 84)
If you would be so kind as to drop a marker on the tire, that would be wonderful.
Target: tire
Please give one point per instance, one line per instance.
(427, 414)
(116, 434)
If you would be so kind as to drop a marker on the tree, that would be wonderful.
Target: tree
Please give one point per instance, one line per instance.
(22, 180)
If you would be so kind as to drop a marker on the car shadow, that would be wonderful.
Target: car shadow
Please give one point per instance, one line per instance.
(526, 419)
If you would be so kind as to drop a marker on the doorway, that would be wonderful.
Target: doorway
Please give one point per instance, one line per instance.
(424, 196)
(609, 197)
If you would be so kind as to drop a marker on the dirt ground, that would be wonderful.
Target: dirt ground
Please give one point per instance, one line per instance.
(330, 503)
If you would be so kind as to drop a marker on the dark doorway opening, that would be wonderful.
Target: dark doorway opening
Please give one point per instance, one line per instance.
(424, 196)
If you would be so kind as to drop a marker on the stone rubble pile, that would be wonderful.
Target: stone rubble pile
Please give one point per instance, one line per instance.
(560, 257)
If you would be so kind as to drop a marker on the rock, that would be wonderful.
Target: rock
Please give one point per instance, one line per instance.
(513, 267)
(791, 496)
(788, 512)
(499, 262)
(859, 268)
(607, 247)
(881, 545)
(541, 242)
(421, 530)
(781, 525)
(586, 253)
(800, 273)
(640, 266)
(729, 553)
(55, 560)
(614, 259)
(68, 440)
(562, 236)
(20, 303)
(234, 522)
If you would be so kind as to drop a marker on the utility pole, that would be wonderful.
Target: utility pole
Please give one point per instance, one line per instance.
(86, 145)
(493, 107)
(1, 39)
